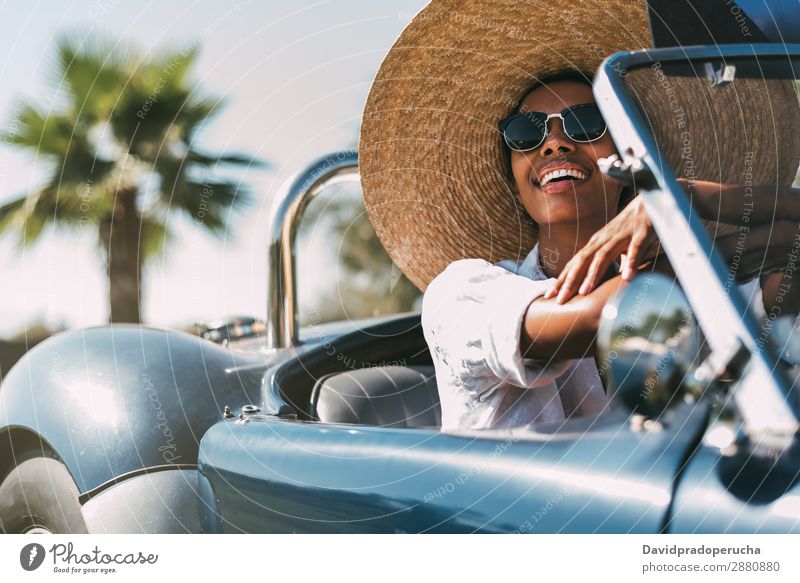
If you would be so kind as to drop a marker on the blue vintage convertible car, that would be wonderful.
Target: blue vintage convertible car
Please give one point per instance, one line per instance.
(263, 426)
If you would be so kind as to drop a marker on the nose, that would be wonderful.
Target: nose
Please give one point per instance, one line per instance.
(556, 143)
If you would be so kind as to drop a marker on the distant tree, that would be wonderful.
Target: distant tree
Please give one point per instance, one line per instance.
(120, 146)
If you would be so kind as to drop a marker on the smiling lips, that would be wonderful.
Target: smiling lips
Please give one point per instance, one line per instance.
(557, 177)
(564, 172)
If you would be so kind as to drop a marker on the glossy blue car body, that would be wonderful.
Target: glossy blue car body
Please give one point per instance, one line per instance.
(268, 471)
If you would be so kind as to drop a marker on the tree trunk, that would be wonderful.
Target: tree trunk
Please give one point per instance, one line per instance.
(120, 236)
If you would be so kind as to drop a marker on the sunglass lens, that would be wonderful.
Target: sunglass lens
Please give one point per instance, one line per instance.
(584, 124)
(525, 131)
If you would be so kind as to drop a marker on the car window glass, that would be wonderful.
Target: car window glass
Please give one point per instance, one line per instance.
(733, 123)
(343, 272)
(745, 130)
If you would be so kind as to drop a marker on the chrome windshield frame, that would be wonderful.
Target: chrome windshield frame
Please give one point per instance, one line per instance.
(763, 394)
(282, 321)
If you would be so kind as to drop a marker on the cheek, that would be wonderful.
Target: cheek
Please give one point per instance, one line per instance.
(520, 168)
(533, 200)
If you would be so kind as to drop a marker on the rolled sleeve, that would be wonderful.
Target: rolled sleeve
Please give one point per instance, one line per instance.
(473, 314)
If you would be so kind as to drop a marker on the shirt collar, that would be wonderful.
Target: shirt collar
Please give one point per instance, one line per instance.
(530, 267)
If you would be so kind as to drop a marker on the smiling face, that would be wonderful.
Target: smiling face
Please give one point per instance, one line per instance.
(559, 182)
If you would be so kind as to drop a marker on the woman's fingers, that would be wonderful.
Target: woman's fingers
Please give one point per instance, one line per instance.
(612, 250)
(584, 271)
(553, 291)
(575, 271)
(572, 264)
(641, 241)
(632, 259)
(599, 265)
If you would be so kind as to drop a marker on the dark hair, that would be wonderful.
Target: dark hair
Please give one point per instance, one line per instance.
(626, 194)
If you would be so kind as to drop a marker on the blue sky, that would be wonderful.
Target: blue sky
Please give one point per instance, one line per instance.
(295, 75)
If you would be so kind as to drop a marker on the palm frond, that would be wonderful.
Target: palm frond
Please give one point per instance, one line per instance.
(211, 160)
(68, 205)
(209, 203)
(9, 211)
(23, 218)
(93, 71)
(32, 129)
(176, 63)
(61, 143)
(196, 112)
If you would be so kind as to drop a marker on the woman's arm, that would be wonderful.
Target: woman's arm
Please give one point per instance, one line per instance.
(738, 204)
(554, 331)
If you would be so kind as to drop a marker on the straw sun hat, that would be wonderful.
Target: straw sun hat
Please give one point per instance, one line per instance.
(433, 169)
(432, 166)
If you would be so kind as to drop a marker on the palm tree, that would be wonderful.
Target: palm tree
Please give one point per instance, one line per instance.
(121, 154)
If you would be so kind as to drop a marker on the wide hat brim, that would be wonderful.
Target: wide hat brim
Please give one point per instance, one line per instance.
(432, 166)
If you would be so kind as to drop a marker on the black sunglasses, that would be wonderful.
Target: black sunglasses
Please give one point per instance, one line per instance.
(526, 131)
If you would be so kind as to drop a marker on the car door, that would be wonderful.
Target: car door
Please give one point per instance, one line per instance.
(266, 474)
(738, 488)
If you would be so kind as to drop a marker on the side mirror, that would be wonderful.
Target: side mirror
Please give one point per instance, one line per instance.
(647, 344)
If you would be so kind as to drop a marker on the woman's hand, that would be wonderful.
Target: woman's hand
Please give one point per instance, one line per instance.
(749, 253)
(630, 232)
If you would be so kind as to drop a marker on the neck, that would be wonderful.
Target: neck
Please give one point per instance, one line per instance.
(559, 243)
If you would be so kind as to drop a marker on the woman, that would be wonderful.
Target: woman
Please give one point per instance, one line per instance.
(444, 194)
(521, 358)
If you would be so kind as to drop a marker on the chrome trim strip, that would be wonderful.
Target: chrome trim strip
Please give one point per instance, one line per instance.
(86, 496)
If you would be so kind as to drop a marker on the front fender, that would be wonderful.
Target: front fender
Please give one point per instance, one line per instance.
(117, 401)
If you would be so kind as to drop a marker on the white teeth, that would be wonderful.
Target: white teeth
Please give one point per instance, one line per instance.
(563, 172)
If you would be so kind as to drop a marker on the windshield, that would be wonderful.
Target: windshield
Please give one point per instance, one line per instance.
(720, 134)
(730, 133)
(742, 130)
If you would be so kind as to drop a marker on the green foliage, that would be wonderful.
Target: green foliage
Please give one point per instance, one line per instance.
(123, 120)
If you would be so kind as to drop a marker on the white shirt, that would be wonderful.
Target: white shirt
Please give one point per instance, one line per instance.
(472, 316)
